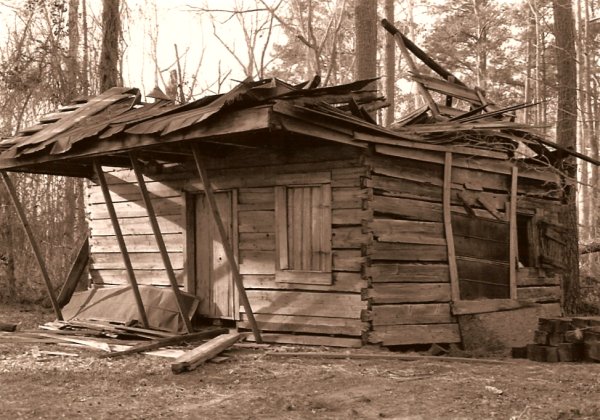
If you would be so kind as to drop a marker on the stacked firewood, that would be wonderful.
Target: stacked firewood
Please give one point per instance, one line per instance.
(575, 339)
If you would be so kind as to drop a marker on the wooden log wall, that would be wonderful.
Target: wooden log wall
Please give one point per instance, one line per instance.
(410, 292)
(286, 312)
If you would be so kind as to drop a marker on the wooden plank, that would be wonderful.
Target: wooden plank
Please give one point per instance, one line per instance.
(539, 294)
(311, 340)
(325, 230)
(257, 262)
(428, 313)
(450, 247)
(340, 217)
(342, 282)
(514, 242)
(336, 305)
(137, 243)
(467, 307)
(308, 324)
(168, 341)
(78, 268)
(408, 209)
(257, 241)
(349, 237)
(348, 260)
(312, 178)
(407, 169)
(189, 244)
(265, 196)
(403, 188)
(407, 252)
(531, 277)
(281, 228)
(389, 293)
(194, 358)
(407, 231)
(476, 227)
(129, 191)
(138, 226)
(163, 207)
(145, 277)
(480, 248)
(348, 198)
(491, 272)
(260, 221)
(303, 277)
(139, 260)
(395, 335)
(408, 273)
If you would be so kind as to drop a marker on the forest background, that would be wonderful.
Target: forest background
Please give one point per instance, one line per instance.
(51, 52)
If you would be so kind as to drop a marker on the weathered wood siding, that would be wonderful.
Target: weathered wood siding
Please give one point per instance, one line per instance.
(280, 308)
(410, 291)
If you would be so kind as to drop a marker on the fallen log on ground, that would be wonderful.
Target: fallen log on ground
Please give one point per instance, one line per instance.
(194, 358)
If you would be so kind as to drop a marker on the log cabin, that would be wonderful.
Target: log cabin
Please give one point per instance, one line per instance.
(341, 231)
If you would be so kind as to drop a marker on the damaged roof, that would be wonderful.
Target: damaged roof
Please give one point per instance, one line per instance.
(118, 121)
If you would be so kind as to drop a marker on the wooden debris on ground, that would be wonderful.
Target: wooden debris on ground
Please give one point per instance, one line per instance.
(564, 339)
(194, 358)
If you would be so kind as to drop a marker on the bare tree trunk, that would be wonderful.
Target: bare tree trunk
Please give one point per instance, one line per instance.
(566, 136)
(109, 57)
(73, 58)
(366, 38)
(85, 78)
(390, 65)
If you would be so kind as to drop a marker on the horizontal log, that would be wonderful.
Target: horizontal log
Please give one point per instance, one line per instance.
(407, 208)
(395, 335)
(348, 260)
(253, 241)
(306, 324)
(310, 340)
(428, 313)
(137, 243)
(260, 221)
(404, 188)
(350, 216)
(257, 262)
(162, 207)
(335, 305)
(535, 277)
(342, 282)
(139, 260)
(409, 273)
(389, 293)
(407, 252)
(145, 277)
(138, 225)
(407, 231)
(467, 307)
(349, 237)
(539, 294)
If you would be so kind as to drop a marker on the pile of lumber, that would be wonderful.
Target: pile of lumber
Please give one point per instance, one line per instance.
(564, 339)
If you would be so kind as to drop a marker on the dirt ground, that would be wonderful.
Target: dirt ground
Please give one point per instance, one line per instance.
(253, 385)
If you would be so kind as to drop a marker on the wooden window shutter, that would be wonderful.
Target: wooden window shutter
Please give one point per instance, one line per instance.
(303, 234)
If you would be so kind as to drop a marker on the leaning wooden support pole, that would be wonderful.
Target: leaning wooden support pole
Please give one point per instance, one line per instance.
(160, 242)
(513, 239)
(226, 245)
(122, 247)
(34, 246)
(447, 211)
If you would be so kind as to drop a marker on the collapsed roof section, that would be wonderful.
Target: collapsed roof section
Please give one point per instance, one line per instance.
(116, 122)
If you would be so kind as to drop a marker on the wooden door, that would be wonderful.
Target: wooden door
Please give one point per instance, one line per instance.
(214, 280)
